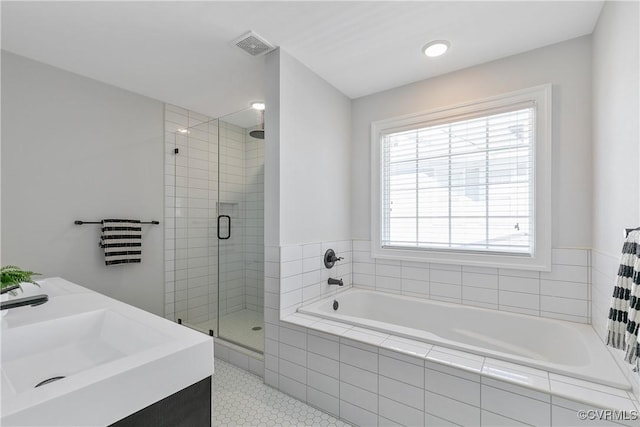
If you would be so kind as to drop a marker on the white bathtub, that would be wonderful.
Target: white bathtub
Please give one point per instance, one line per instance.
(557, 346)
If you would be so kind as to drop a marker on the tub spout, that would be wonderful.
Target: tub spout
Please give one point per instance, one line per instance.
(332, 281)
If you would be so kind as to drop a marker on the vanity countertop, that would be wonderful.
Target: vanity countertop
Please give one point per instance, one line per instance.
(115, 358)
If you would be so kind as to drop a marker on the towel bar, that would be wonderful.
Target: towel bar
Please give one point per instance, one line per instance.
(629, 230)
(78, 222)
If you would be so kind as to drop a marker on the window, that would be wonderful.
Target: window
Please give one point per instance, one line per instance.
(467, 184)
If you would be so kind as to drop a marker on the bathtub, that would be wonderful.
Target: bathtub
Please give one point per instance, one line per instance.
(561, 347)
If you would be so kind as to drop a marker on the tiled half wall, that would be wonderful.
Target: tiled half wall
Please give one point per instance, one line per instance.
(563, 293)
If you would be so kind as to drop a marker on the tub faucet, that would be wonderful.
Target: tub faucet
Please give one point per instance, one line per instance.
(332, 281)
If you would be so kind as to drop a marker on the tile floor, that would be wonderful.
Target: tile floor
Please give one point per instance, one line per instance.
(242, 399)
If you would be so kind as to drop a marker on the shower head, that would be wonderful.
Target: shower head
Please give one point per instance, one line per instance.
(258, 133)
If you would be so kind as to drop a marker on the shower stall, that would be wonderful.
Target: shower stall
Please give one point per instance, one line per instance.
(215, 210)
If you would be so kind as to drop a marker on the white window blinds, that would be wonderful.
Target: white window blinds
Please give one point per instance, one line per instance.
(462, 184)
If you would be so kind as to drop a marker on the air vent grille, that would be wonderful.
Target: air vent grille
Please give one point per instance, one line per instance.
(253, 44)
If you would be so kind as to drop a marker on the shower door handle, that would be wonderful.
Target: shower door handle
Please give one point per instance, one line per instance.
(228, 226)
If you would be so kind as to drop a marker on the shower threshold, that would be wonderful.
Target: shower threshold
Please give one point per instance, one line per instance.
(243, 327)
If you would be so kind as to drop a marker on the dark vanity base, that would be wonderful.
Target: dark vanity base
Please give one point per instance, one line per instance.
(190, 407)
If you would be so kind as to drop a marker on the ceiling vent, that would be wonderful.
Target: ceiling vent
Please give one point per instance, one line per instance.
(253, 44)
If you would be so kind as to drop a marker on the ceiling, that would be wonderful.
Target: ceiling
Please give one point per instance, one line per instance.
(181, 52)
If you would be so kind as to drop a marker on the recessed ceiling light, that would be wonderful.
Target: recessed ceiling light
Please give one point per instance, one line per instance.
(259, 105)
(183, 131)
(435, 48)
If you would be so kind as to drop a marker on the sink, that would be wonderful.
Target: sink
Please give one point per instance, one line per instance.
(98, 360)
(63, 347)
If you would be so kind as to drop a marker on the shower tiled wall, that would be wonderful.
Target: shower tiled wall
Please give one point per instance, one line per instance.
(190, 188)
(254, 222)
(231, 202)
(199, 187)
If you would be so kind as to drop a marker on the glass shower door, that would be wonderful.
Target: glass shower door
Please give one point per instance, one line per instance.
(218, 231)
(196, 248)
(240, 235)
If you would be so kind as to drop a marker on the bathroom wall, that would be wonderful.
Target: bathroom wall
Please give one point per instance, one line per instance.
(315, 156)
(75, 148)
(616, 152)
(563, 292)
(566, 65)
(307, 193)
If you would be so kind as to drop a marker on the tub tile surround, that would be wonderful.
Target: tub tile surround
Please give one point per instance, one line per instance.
(561, 294)
(303, 276)
(332, 366)
(373, 385)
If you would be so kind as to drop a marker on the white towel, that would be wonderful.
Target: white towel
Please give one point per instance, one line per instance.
(624, 314)
(122, 241)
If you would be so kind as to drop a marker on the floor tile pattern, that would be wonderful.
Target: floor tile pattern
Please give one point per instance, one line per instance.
(242, 399)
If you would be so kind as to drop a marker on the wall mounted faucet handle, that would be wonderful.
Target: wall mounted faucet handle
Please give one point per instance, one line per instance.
(330, 258)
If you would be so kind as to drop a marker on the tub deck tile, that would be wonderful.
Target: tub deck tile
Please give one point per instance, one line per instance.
(459, 359)
(331, 327)
(518, 374)
(365, 336)
(408, 347)
(301, 319)
(580, 393)
(588, 384)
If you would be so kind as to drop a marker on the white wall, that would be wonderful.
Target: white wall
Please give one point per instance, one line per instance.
(307, 193)
(616, 151)
(74, 148)
(616, 147)
(566, 65)
(314, 144)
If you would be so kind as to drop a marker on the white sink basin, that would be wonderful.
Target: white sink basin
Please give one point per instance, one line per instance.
(63, 347)
(115, 359)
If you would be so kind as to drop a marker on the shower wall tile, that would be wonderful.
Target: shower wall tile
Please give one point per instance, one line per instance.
(193, 185)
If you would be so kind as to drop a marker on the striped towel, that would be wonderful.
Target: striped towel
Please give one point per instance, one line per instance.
(121, 240)
(624, 314)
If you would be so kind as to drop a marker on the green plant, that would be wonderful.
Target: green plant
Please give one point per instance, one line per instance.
(11, 275)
